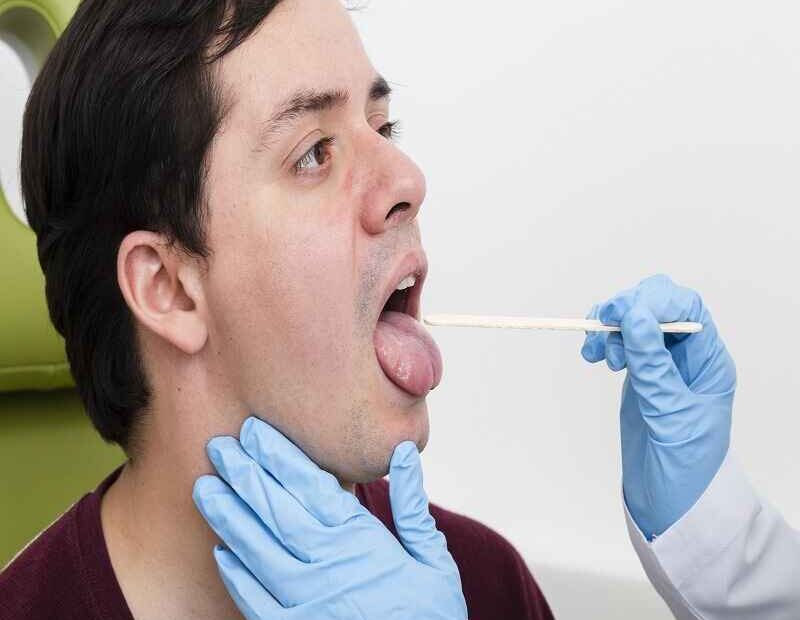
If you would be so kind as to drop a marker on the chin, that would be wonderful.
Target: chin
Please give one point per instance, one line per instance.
(411, 425)
(373, 456)
(423, 430)
(365, 457)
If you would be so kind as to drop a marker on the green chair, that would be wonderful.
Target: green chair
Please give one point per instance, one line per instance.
(49, 453)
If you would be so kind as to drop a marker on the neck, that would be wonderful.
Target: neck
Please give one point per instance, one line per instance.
(160, 546)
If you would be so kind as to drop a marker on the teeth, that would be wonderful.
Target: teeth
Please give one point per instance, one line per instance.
(407, 283)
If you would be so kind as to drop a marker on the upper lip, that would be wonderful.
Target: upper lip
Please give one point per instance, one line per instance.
(415, 264)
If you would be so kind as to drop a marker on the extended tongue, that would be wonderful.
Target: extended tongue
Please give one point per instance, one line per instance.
(407, 354)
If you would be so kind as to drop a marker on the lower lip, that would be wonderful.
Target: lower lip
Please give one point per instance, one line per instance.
(407, 354)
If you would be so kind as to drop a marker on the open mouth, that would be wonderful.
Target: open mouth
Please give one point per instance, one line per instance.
(405, 351)
(406, 296)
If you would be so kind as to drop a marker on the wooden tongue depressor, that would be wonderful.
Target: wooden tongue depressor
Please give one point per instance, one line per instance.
(578, 325)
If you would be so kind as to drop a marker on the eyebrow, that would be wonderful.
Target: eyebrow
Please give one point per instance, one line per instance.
(308, 101)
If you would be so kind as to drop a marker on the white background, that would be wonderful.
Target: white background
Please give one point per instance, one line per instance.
(571, 149)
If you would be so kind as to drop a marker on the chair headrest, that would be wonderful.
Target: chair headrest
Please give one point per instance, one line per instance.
(32, 355)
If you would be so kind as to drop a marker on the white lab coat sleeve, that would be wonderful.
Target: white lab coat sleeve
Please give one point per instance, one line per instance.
(730, 556)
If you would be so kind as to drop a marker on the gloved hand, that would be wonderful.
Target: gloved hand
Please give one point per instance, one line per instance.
(299, 547)
(676, 400)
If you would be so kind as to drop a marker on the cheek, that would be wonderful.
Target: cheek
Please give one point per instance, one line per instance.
(316, 319)
(283, 311)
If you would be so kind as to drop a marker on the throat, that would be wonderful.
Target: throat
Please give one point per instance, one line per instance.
(160, 550)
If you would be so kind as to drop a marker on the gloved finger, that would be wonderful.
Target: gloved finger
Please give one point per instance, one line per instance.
(615, 352)
(297, 529)
(316, 490)
(611, 312)
(282, 574)
(670, 302)
(593, 349)
(253, 599)
(415, 526)
(651, 369)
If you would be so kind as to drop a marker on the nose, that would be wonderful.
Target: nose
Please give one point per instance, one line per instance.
(393, 187)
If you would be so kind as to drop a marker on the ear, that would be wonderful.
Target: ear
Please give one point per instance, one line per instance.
(161, 287)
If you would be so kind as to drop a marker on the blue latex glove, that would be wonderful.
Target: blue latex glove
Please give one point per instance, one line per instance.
(299, 547)
(676, 400)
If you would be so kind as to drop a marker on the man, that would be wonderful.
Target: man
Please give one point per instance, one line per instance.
(226, 229)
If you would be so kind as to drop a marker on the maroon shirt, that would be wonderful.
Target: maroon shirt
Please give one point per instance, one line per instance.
(66, 573)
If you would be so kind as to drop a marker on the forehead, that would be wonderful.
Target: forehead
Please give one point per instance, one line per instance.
(302, 44)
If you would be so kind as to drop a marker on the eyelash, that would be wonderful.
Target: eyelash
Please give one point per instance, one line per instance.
(390, 131)
(393, 129)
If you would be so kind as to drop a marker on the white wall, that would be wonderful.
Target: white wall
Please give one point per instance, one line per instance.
(571, 149)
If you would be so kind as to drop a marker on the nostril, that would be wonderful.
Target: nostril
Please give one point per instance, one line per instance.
(400, 206)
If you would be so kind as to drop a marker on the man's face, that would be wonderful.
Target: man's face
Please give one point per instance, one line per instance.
(312, 226)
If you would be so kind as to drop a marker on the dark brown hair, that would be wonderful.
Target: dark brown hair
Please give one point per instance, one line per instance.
(115, 136)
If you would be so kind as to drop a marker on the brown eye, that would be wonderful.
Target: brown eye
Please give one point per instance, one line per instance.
(315, 157)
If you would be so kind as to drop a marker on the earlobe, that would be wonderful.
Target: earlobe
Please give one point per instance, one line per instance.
(155, 284)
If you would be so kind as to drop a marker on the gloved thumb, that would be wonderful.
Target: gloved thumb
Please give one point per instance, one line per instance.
(415, 526)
